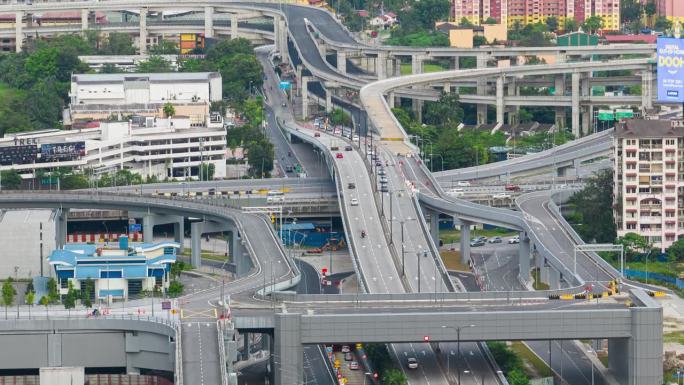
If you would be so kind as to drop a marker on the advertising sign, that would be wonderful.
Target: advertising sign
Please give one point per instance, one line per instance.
(22, 154)
(54, 152)
(135, 228)
(670, 70)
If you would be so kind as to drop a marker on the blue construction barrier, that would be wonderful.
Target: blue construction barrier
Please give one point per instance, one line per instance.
(630, 273)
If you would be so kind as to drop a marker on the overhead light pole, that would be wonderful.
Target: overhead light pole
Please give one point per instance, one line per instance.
(458, 347)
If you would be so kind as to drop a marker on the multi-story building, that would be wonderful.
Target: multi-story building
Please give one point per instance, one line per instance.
(649, 189)
(672, 9)
(165, 148)
(116, 272)
(537, 11)
(98, 96)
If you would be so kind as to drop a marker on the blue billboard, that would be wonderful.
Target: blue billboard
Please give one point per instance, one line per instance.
(670, 70)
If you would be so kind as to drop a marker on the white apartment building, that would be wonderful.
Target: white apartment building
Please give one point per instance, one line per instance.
(170, 147)
(649, 184)
(98, 96)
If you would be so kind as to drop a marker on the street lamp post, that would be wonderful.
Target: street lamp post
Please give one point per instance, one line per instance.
(403, 270)
(458, 347)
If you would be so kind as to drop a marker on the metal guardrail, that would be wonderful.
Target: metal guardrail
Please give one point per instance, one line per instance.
(178, 373)
(222, 352)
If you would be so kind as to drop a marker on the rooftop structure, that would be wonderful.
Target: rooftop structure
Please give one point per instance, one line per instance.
(172, 147)
(647, 179)
(97, 96)
(119, 272)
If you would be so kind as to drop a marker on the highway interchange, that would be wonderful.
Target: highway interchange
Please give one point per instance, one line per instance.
(377, 259)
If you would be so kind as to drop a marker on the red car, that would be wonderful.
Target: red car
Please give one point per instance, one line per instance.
(512, 187)
(339, 155)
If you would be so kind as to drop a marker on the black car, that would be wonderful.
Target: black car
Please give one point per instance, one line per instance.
(289, 169)
(348, 148)
(351, 186)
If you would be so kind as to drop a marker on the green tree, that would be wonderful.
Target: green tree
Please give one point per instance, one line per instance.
(338, 117)
(176, 269)
(479, 40)
(175, 289)
(552, 23)
(592, 24)
(663, 24)
(208, 170)
(594, 208)
(491, 20)
(517, 377)
(466, 23)
(118, 44)
(164, 47)
(70, 299)
(8, 294)
(45, 301)
(394, 377)
(10, 180)
(169, 109)
(74, 182)
(194, 65)
(30, 300)
(676, 251)
(155, 64)
(53, 293)
(109, 68)
(45, 109)
(446, 112)
(88, 294)
(570, 25)
(635, 246)
(630, 10)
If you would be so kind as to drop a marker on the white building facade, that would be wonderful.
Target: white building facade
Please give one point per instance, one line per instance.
(166, 148)
(648, 190)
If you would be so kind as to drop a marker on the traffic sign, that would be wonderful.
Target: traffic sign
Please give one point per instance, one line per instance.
(166, 305)
(285, 85)
(135, 227)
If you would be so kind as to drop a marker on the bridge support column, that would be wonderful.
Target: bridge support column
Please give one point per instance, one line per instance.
(299, 79)
(559, 84)
(148, 228)
(283, 37)
(554, 279)
(18, 30)
(341, 61)
(524, 258)
(397, 67)
(416, 64)
(61, 227)
(142, 42)
(390, 99)
(289, 351)
(647, 89)
(587, 111)
(328, 100)
(305, 97)
(209, 22)
(196, 244)
(465, 241)
(84, 19)
(417, 106)
(245, 346)
(234, 32)
(575, 120)
(179, 233)
(500, 106)
(381, 65)
(434, 226)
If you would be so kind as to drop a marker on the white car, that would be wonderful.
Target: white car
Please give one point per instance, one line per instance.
(412, 363)
(463, 183)
(501, 196)
(354, 202)
(514, 240)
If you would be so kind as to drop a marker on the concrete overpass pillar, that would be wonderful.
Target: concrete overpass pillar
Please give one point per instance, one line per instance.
(84, 19)
(342, 61)
(289, 352)
(179, 233)
(148, 228)
(500, 106)
(559, 85)
(481, 61)
(647, 89)
(524, 257)
(397, 67)
(586, 111)
(417, 106)
(196, 229)
(416, 64)
(142, 44)
(381, 65)
(18, 30)
(434, 226)
(465, 241)
(299, 79)
(390, 99)
(561, 57)
(209, 22)
(305, 97)
(554, 279)
(328, 100)
(456, 63)
(61, 234)
(245, 346)
(513, 90)
(234, 33)
(575, 119)
(283, 40)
